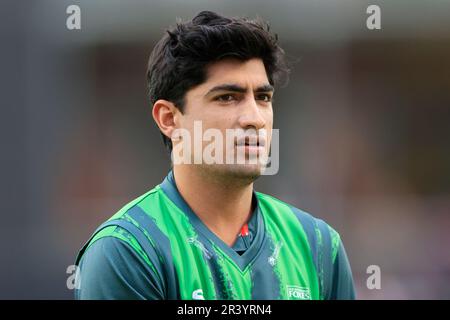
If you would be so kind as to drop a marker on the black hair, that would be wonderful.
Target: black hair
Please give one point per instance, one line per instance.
(178, 61)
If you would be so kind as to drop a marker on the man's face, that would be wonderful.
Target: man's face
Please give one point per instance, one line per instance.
(236, 95)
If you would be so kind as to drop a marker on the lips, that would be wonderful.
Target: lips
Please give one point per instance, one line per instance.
(252, 141)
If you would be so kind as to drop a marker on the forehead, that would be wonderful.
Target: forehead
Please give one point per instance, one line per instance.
(250, 73)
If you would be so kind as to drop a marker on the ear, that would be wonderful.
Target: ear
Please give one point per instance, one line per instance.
(164, 113)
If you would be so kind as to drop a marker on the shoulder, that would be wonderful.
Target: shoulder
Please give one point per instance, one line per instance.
(115, 226)
(127, 231)
(136, 203)
(327, 250)
(112, 269)
(318, 231)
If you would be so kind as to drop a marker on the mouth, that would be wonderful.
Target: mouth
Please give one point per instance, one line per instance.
(251, 143)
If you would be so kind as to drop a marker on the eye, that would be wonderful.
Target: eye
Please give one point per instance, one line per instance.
(225, 98)
(265, 97)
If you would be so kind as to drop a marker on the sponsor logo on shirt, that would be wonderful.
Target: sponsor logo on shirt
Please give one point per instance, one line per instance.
(298, 293)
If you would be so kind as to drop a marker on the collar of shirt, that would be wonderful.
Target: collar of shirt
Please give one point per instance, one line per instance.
(243, 242)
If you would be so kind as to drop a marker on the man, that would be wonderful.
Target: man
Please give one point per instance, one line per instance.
(204, 233)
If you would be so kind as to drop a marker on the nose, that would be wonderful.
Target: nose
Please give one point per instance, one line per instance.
(251, 115)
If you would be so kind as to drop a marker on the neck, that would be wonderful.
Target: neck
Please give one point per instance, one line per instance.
(223, 206)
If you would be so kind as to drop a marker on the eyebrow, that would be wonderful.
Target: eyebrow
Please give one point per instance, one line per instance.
(238, 88)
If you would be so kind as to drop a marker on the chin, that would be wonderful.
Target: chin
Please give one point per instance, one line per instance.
(247, 173)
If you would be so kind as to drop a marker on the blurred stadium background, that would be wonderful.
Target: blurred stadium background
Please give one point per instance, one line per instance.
(364, 130)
